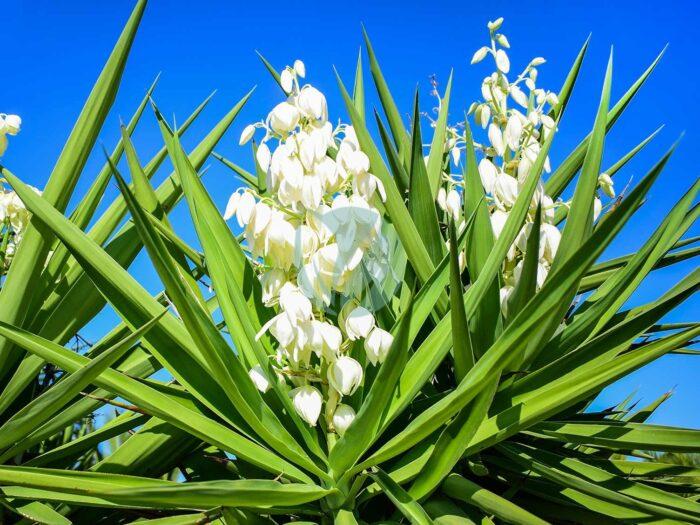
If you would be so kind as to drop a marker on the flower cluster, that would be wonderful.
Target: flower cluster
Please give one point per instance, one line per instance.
(315, 236)
(13, 215)
(517, 117)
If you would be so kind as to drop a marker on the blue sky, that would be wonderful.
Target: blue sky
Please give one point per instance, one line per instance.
(54, 51)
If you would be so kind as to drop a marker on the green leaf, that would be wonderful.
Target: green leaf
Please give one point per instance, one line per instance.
(437, 146)
(16, 296)
(465, 490)
(410, 508)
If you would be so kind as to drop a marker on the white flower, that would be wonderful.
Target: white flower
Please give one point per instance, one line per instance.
(232, 205)
(307, 402)
(502, 61)
(246, 134)
(606, 184)
(345, 375)
(271, 283)
(312, 103)
(456, 154)
(453, 204)
(484, 115)
(496, 139)
(284, 117)
(263, 156)
(513, 131)
(343, 416)
(442, 198)
(498, 221)
(549, 240)
(488, 173)
(10, 124)
(505, 294)
(300, 68)
(244, 208)
(287, 80)
(597, 208)
(518, 95)
(324, 339)
(359, 323)
(295, 304)
(257, 374)
(505, 189)
(377, 345)
(480, 54)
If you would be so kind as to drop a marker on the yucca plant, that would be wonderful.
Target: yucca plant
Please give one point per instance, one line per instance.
(391, 338)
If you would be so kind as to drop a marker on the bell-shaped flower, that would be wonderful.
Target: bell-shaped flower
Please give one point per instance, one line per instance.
(284, 117)
(505, 294)
(244, 208)
(259, 378)
(549, 240)
(343, 416)
(232, 205)
(488, 173)
(345, 375)
(505, 189)
(498, 221)
(518, 95)
(377, 345)
(513, 132)
(295, 304)
(358, 322)
(367, 184)
(307, 402)
(496, 139)
(453, 204)
(312, 103)
(442, 198)
(324, 339)
(271, 283)
(299, 68)
(311, 192)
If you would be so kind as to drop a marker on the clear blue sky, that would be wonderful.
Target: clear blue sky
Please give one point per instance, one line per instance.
(52, 52)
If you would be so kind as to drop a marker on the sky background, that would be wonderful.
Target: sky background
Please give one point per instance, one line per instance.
(53, 52)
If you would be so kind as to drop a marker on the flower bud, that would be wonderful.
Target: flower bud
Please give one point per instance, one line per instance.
(480, 55)
(496, 139)
(377, 345)
(606, 184)
(502, 61)
(343, 416)
(287, 81)
(487, 173)
(502, 40)
(442, 198)
(12, 123)
(538, 61)
(307, 402)
(345, 375)
(259, 378)
(232, 205)
(263, 156)
(495, 25)
(246, 134)
(597, 208)
(300, 68)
